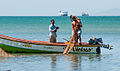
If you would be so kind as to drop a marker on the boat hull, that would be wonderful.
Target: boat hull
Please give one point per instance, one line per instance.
(14, 45)
(19, 47)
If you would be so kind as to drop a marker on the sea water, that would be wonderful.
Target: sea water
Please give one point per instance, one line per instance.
(37, 28)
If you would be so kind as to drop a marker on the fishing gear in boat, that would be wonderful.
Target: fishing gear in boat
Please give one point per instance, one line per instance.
(65, 39)
(99, 41)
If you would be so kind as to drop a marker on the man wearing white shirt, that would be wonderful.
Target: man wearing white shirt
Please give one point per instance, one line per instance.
(52, 32)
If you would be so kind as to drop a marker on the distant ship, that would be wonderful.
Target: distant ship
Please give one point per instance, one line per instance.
(85, 14)
(63, 13)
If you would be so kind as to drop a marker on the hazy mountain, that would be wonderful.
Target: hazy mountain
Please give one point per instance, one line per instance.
(110, 12)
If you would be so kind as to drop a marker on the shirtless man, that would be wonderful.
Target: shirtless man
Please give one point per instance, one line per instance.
(76, 28)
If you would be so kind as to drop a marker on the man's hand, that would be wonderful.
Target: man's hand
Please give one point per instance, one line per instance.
(57, 27)
(70, 16)
(77, 17)
(55, 30)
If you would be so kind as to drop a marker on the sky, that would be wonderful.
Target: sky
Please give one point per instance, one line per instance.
(52, 7)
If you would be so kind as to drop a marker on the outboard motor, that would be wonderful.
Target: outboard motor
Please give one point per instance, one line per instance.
(95, 41)
(92, 40)
(98, 41)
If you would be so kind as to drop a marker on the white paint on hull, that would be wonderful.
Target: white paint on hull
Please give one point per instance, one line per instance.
(48, 48)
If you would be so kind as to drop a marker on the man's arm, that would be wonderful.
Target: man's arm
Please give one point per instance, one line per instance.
(80, 24)
(52, 30)
(71, 18)
(77, 17)
(73, 26)
(79, 21)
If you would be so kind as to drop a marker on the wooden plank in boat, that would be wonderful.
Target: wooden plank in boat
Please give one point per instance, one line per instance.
(69, 45)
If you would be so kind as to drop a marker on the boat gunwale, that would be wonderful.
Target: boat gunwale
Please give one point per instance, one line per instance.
(42, 42)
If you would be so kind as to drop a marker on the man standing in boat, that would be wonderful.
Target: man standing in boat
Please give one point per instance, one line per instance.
(76, 28)
(52, 32)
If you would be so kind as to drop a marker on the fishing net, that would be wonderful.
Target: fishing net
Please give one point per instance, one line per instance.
(5, 54)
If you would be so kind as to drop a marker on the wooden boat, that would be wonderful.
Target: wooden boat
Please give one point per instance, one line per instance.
(16, 45)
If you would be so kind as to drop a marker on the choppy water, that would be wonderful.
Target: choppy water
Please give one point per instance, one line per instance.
(36, 28)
